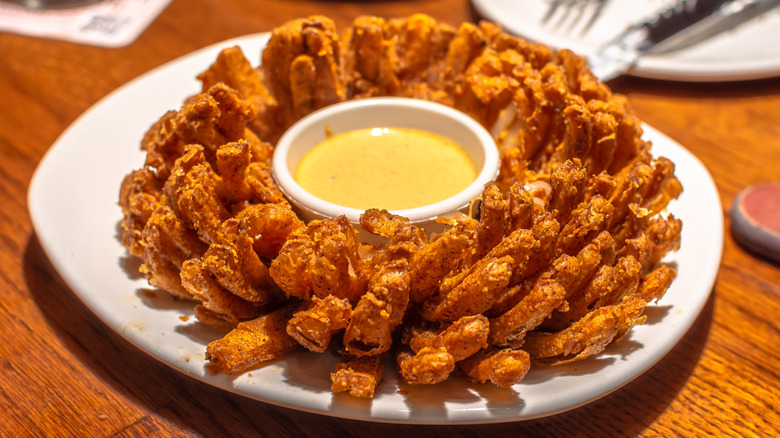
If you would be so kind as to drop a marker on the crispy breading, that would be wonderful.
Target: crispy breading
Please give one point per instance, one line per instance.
(370, 59)
(382, 223)
(586, 222)
(383, 305)
(268, 225)
(167, 245)
(559, 260)
(502, 367)
(545, 294)
(321, 259)
(492, 215)
(655, 283)
(421, 41)
(358, 375)
(237, 268)
(434, 261)
(664, 235)
(468, 42)
(196, 194)
(314, 326)
(210, 119)
(475, 294)
(545, 232)
(566, 270)
(196, 280)
(520, 211)
(567, 185)
(139, 197)
(233, 69)
(486, 87)
(252, 342)
(428, 366)
(461, 339)
(589, 335)
(302, 67)
(245, 175)
(517, 246)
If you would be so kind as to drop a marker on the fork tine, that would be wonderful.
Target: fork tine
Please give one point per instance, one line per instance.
(573, 13)
(554, 5)
(568, 7)
(594, 16)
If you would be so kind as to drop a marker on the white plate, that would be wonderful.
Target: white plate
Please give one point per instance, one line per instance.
(73, 204)
(749, 51)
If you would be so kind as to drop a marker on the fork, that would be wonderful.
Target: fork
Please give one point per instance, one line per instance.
(573, 16)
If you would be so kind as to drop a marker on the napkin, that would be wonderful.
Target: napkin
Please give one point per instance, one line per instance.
(110, 23)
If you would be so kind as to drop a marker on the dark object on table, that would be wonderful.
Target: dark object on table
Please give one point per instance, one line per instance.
(755, 220)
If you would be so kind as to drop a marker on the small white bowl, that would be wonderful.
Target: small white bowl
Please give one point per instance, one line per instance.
(397, 112)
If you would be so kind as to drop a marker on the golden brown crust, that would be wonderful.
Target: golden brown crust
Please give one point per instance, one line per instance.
(383, 304)
(502, 367)
(562, 256)
(358, 375)
(321, 259)
(314, 326)
(252, 342)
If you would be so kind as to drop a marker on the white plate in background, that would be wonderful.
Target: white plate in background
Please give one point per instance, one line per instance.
(749, 51)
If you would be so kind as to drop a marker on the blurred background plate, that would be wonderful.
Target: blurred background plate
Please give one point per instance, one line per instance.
(749, 51)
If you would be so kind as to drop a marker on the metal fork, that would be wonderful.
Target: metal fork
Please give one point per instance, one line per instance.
(573, 16)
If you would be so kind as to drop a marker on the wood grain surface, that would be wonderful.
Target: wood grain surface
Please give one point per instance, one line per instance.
(63, 372)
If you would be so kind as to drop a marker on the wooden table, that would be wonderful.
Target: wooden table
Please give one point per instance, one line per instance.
(66, 373)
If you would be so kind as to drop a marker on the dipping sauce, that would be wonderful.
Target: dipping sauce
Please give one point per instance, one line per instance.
(390, 168)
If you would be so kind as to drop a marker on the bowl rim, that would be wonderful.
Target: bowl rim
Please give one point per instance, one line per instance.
(302, 199)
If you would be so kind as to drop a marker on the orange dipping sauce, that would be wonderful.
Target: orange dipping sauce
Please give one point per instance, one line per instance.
(386, 168)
